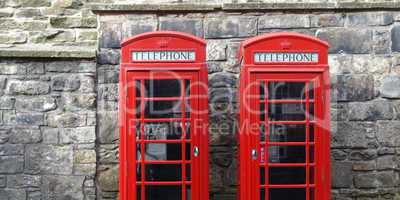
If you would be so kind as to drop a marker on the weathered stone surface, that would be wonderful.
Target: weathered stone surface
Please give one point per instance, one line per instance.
(66, 119)
(213, 67)
(37, 104)
(29, 119)
(192, 26)
(108, 153)
(369, 19)
(342, 176)
(363, 154)
(388, 162)
(108, 127)
(73, 22)
(14, 38)
(108, 179)
(110, 35)
(85, 156)
(11, 149)
(216, 50)
(284, 21)
(6, 12)
(28, 12)
(222, 79)
(364, 166)
(77, 135)
(228, 27)
(348, 40)
(33, 3)
(108, 56)
(370, 111)
(49, 135)
(27, 87)
(382, 42)
(23, 181)
(387, 133)
(222, 95)
(327, 20)
(65, 66)
(52, 36)
(139, 24)
(7, 103)
(25, 136)
(376, 179)
(65, 83)
(108, 92)
(8, 68)
(352, 87)
(83, 35)
(108, 74)
(62, 187)
(77, 102)
(353, 134)
(13, 194)
(49, 159)
(4, 135)
(11, 164)
(396, 38)
(390, 87)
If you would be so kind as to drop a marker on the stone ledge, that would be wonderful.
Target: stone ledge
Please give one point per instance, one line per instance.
(153, 7)
(48, 52)
(103, 8)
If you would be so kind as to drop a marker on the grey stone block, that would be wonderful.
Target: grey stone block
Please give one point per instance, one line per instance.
(65, 83)
(108, 153)
(16, 87)
(353, 134)
(216, 50)
(35, 104)
(11, 149)
(222, 95)
(342, 174)
(71, 66)
(108, 131)
(7, 103)
(369, 19)
(62, 187)
(77, 135)
(349, 87)
(66, 119)
(387, 133)
(396, 38)
(49, 159)
(11, 164)
(108, 178)
(110, 35)
(139, 24)
(391, 87)
(376, 179)
(25, 136)
(348, 40)
(222, 79)
(370, 111)
(228, 27)
(192, 26)
(29, 119)
(284, 21)
(327, 20)
(13, 194)
(108, 56)
(23, 181)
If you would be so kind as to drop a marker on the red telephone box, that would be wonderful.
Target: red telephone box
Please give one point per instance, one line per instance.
(284, 118)
(163, 118)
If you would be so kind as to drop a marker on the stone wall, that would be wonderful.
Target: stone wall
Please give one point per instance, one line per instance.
(365, 75)
(47, 129)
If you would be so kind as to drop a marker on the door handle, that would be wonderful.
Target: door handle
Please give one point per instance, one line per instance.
(196, 151)
(254, 154)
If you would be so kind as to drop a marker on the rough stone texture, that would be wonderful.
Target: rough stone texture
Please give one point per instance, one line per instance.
(39, 158)
(347, 40)
(229, 27)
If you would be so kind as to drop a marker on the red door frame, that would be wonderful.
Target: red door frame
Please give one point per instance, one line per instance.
(281, 43)
(197, 69)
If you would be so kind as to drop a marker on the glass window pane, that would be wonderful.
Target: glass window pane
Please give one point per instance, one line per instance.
(163, 131)
(286, 112)
(161, 151)
(286, 90)
(188, 192)
(163, 109)
(287, 133)
(163, 88)
(138, 192)
(287, 194)
(262, 175)
(163, 192)
(287, 154)
(311, 175)
(287, 175)
(262, 194)
(162, 172)
(188, 172)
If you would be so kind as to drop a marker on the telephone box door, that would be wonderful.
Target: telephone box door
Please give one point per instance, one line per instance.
(162, 143)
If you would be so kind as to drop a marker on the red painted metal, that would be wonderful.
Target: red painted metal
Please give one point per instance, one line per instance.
(130, 72)
(252, 75)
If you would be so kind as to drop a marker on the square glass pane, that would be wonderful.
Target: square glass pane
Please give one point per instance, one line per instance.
(289, 133)
(188, 192)
(160, 151)
(262, 112)
(287, 194)
(311, 175)
(287, 154)
(262, 194)
(163, 88)
(163, 109)
(286, 90)
(188, 172)
(287, 175)
(262, 175)
(163, 131)
(163, 192)
(163, 172)
(286, 112)
(138, 192)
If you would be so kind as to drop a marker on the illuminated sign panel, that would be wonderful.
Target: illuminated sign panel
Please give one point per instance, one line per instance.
(163, 56)
(286, 57)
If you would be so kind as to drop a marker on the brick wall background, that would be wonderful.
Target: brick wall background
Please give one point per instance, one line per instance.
(58, 113)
